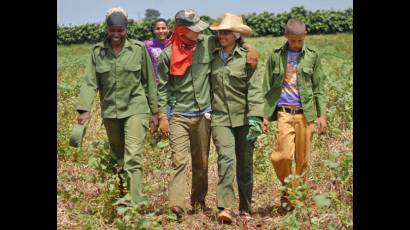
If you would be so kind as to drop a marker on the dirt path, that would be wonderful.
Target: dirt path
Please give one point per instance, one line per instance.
(264, 200)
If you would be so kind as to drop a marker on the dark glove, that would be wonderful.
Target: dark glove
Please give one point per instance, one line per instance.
(255, 128)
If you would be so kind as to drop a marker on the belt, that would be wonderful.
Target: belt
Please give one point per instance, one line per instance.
(289, 110)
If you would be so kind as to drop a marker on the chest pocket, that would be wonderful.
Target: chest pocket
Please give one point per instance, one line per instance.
(206, 59)
(216, 78)
(203, 68)
(238, 80)
(132, 67)
(275, 76)
(132, 74)
(307, 74)
(103, 74)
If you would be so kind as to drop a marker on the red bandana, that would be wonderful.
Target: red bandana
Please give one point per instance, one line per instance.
(181, 51)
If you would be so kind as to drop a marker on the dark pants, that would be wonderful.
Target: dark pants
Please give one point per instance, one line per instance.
(235, 157)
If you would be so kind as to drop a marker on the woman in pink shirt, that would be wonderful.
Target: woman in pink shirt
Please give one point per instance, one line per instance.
(155, 46)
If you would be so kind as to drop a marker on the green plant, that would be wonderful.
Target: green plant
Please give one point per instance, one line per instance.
(297, 192)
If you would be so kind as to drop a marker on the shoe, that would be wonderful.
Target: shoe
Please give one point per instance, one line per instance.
(200, 206)
(245, 215)
(226, 216)
(207, 211)
(197, 206)
(179, 212)
(285, 203)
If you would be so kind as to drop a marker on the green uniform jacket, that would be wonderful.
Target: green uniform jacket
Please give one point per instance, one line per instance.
(236, 90)
(192, 91)
(310, 82)
(126, 83)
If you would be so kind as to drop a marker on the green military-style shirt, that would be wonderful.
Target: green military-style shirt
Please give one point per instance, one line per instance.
(309, 81)
(236, 89)
(192, 91)
(126, 83)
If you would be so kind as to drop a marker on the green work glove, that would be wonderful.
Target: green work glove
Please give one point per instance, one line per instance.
(255, 128)
(172, 101)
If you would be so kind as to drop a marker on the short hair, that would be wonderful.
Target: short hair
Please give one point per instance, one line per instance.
(295, 26)
(116, 10)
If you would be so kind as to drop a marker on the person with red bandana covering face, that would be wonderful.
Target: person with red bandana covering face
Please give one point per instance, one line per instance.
(184, 70)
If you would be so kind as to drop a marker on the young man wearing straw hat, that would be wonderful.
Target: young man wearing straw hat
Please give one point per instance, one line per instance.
(121, 70)
(184, 70)
(237, 112)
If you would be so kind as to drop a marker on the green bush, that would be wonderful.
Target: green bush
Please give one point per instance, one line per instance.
(263, 24)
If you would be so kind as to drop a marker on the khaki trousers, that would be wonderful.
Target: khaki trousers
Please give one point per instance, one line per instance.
(293, 139)
(189, 137)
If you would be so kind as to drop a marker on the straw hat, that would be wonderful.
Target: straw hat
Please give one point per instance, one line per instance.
(233, 23)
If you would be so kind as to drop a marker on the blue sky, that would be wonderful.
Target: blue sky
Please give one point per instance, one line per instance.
(75, 12)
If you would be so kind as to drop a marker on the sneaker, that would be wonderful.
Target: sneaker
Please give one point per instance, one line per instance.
(226, 216)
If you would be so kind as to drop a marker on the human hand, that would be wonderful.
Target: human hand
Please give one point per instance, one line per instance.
(153, 123)
(265, 126)
(322, 124)
(252, 56)
(83, 117)
(164, 124)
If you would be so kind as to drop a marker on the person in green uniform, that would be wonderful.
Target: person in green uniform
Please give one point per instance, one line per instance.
(121, 70)
(237, 112)
(184, 71)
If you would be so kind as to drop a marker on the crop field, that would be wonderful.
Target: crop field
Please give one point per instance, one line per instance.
(88, 184)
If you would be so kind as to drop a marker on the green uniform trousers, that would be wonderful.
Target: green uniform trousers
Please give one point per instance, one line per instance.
(235, 157)
(126, 137)
(189, 136)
